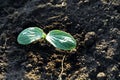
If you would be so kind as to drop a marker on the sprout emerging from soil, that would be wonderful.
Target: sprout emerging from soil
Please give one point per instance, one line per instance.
(59, 39)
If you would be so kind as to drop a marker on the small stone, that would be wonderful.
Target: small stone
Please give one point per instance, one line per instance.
(29, 65)
(89, 38)
(101, 76)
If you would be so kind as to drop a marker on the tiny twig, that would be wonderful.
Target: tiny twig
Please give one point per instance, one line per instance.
(6, 11)
(62, 68)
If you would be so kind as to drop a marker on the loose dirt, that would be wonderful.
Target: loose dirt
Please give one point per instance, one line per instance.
(95, 24)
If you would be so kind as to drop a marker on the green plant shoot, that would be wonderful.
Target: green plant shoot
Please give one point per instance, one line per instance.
(59, 39)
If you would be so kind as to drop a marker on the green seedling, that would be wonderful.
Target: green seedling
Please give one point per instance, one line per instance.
(59, 39)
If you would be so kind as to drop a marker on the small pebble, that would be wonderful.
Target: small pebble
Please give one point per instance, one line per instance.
(101, 76)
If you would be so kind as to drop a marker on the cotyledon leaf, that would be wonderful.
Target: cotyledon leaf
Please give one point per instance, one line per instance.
(30, 35)
(61, 40)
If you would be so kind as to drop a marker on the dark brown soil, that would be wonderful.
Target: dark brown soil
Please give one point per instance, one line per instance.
(95, 24)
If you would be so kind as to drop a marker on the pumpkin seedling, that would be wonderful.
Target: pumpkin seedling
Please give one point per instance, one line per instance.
(59, 39)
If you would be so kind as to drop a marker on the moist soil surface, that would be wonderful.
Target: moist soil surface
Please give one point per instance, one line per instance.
(95, 24)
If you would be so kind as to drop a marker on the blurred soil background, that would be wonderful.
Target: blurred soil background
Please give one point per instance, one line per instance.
(95, 24)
